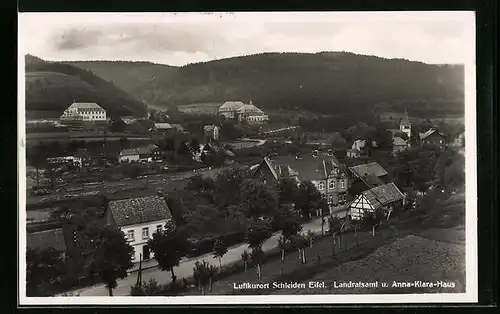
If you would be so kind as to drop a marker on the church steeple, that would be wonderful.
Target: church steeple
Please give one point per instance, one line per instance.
(405, 125)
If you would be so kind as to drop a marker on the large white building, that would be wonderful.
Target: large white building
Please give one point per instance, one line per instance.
(242, 112)
(139, 218)
(86, 112)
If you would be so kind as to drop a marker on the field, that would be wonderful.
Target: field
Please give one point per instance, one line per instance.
(426, 245)
(33, 139)
(201, 108)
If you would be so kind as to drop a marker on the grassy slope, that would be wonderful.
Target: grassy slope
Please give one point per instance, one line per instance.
(324, 82)
(53, 86)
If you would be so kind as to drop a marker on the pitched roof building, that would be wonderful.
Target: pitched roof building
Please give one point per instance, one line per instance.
(384, 197)
(372, 168)
(325, 172)
(86, 111)
(139, 218)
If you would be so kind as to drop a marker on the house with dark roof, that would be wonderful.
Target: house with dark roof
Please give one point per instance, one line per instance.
(432, 138)
(138, 218)
(385, 197)
(147, 153)
(324, 171)
(372, 168)
(366, 176)
(47, 239)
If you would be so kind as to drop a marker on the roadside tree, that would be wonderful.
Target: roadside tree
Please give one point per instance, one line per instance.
(110, 256)
(169, 247)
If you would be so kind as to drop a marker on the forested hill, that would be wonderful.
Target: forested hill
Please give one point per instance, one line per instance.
(328, 82)
(144, 80)
(51, 88)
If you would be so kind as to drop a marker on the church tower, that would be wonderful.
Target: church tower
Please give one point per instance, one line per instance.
(405, 125)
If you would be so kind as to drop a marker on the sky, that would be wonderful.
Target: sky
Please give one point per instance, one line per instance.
(182, 38)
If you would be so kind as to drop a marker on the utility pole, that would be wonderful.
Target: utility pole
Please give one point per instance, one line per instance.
(139, 273)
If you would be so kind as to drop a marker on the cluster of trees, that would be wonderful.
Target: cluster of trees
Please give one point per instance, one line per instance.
(225, 204)
(95, 251)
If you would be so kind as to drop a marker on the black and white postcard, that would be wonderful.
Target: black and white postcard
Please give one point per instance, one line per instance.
(247, 158)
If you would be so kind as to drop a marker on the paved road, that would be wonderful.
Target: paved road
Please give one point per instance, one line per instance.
(185, 268)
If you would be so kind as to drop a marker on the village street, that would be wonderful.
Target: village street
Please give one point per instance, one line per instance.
(185, 268)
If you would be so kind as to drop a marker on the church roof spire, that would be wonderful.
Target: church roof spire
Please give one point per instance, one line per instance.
(405, 119)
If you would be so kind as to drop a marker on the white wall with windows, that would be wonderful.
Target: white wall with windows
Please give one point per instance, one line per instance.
(138, 235)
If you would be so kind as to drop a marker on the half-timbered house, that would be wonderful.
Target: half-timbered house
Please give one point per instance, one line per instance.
(385, 197)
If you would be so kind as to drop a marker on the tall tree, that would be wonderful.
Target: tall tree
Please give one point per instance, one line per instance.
(245, 257)
(259, 200)
(220, 249)
(309, 199)
(110, 255)
(169, 246)
(287, 191)
(288, 221)
(203, 274)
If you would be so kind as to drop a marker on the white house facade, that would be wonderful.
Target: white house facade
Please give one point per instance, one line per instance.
(87, 112)
(139, 218)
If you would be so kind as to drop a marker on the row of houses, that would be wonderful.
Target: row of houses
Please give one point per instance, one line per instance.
(349, 191)
(140, 217)
(401, 139)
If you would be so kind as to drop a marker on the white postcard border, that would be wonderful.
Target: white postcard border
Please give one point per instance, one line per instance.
(471, 294)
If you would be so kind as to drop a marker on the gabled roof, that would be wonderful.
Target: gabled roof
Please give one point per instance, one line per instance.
(129, 152)
(248, 108)
(231, 105)
(146, 149)
(163, 126)
(397, 141)
(42, 240)
(309, 167)
(85, 105)
(138, 151)
(372, 168)
(371, 181)
(429, 133)
(138, 210)
(383, 195)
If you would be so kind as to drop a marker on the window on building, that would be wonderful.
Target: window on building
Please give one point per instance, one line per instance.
(145, 233)
(159, 228)
(342, 198)
(321, 186)
(331, 184)
(342, 184)
(330, 199)
(130, 235)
